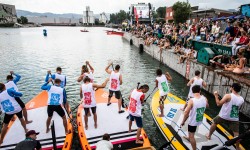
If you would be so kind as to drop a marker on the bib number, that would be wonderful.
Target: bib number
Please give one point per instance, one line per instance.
(199, 114)
(164, 86)
(7, 106)
(234, 112)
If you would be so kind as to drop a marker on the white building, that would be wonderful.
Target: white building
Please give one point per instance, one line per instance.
(88, 17)
(44, 20)
(104, 18)
(7, 14)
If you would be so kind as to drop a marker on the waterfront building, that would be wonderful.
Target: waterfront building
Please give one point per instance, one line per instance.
(8, 15)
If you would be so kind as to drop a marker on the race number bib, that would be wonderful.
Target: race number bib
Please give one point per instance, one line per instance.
(114, 84)
(164, 86)
(199, 114)
(87, 98)
(234, 112)
(132, 105)
(7, 105)
(55, 98)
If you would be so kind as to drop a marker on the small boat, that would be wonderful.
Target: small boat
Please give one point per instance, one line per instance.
(115, 33)
(84, 30)
(169, 126)
(109, 121)
(37, 111)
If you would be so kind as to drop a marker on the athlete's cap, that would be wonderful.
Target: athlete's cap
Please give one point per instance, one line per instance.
(30, 132)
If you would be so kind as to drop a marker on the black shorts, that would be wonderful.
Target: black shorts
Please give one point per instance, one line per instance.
(93, 109)
(56, 108)
(162, 99)
(8, 117)
(20, 102)
(192, 129)
(117, 94)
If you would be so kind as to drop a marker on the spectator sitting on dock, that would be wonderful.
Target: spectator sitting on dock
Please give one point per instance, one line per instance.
(240, 68)
(220, 61)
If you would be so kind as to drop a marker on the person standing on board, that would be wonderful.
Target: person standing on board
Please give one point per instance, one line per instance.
(229, 113)
(87, 94)
(86, 72)
(114, 86)
(162, 84)
(11, 84)
(10, 107)
(196, 80)
(195, 112)
(57, 75)
(56, 96)
(30, 142)
(136, 99)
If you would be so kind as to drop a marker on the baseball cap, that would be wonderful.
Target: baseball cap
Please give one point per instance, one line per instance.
(31, 132)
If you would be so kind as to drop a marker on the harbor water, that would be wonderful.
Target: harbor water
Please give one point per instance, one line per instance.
(28, 52)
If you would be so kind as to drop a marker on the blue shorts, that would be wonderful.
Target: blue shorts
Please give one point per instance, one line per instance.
(138, 120)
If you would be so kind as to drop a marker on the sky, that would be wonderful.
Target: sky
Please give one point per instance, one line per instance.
(110, 6)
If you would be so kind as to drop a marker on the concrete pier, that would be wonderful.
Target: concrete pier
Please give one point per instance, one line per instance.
(187, 69)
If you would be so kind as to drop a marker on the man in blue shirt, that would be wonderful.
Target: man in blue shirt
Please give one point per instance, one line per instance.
(11, 84)
(56, 96)
(57, 75)
(10, 107)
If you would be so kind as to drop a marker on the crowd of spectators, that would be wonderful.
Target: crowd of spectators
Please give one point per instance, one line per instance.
(177, 37)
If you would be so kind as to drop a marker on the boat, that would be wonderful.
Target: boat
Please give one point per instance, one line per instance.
(37, 111)
(84, 30)
(169, 126)
(109, 121)
(115, 33)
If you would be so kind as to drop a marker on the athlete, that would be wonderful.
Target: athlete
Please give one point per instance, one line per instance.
(114, 86)
(11, 84)
(87, 94)
(86, 72)
(196, 80)
(162, 84)
(195, 112)
(57, 75)
(229, 112)
(57, 96)
(10, 107)
(135, 106)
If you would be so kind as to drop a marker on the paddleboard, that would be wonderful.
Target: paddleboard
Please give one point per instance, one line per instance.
(170, 124)
(37, 111)
(108, 121)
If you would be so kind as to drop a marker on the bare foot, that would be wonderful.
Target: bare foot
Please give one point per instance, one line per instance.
(160, 115)
(139, 142)
(182, 109)
(86, 127)
(208, 137)
(47, 130)
(185, 137)
(67, 132)
(129, 131)
(27, 121)
(1, 141)
(95, 125)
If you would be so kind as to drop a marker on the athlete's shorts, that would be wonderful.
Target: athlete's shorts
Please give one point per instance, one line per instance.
(20, 102)
(233, 125)
(192, 129)
(138, 120)
(162, 99)
(93, 109)
(56, 108)
(117, 94)
(8, 117)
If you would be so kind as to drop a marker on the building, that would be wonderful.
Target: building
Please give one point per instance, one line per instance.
(88, 17)
(8, 15)
(104, 18)
(54, 21)
(169, 14)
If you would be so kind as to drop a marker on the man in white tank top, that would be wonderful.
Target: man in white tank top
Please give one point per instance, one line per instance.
(10, 107)
(87, 94)
(56, 97)
(114, 86)
(57, 75)
(136, 99)
(229, 113)
(11, 84)
(195, 112)
(162, 84)
(196, 80)
(86, 72)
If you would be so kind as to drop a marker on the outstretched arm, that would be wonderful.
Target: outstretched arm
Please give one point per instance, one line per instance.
(91, 68)
(14, 93)
(107, 69)
(103, 85)
(168, 76)
(17, 78)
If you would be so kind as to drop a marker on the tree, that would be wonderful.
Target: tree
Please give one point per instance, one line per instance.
(119, 17)
(161, 12)
(22, 20)
(182, 11)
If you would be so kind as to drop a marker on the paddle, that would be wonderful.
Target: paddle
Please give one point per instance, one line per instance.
(150, 94)
(167, 145)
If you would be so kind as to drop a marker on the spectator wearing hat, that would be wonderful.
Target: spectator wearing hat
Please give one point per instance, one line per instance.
(30, 143)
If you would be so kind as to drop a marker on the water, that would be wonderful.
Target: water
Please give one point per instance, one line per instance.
(27, 52)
